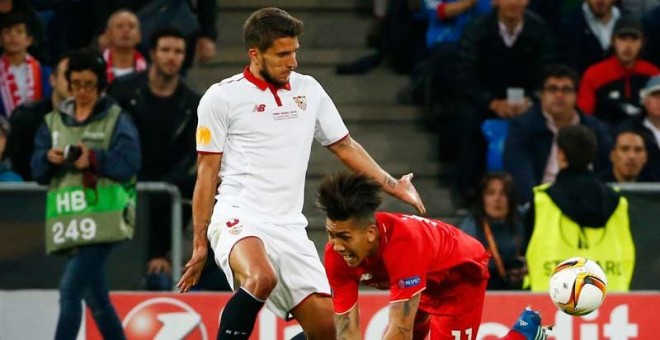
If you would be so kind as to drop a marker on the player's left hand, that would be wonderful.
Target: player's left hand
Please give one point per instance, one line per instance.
(406, 192)
(194, 269)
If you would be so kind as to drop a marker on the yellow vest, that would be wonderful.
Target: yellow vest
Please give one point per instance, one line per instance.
(556, 238)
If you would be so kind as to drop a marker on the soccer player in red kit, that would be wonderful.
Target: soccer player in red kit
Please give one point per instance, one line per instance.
(436, 274)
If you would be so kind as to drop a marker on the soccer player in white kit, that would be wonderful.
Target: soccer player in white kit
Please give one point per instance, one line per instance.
(255, 133)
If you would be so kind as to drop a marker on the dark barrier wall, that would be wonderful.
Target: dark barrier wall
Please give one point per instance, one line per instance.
(23, 260)
(644, 208)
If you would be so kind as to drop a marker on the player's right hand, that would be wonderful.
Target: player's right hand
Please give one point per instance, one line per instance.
(406, 192)
(194, 269)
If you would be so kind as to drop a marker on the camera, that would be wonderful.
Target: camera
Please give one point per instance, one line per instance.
(72, 153)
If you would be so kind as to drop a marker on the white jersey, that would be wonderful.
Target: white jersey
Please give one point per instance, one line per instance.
(265, 136)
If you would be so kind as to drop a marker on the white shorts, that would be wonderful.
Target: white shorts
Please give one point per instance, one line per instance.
(293, 256)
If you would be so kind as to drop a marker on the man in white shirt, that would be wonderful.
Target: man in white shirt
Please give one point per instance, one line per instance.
(530, 150)
(255, 130)
(648, 125)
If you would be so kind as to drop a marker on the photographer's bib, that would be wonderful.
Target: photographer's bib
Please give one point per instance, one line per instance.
(78, 215)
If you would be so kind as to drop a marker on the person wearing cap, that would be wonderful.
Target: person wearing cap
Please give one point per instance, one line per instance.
(610, 89)
(648, 126)
(6, 173)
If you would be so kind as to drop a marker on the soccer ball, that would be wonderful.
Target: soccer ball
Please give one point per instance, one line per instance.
(578, 286)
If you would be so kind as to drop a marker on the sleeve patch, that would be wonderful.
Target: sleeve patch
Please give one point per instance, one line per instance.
(410, 282)
(203, 135)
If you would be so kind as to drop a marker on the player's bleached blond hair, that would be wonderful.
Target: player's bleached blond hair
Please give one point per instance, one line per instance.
(267, 24)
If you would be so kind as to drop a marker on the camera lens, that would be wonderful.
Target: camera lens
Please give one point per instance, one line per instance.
(72, 153)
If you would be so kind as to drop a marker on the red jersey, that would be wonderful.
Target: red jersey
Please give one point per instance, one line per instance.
(415, 254)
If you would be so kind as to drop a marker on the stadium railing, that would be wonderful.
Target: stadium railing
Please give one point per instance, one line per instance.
(22, 250)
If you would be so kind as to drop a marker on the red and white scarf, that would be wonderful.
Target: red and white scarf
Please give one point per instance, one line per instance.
(9, 88)
(139, 63)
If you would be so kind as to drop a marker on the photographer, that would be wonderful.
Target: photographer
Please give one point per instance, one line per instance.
(88, 152)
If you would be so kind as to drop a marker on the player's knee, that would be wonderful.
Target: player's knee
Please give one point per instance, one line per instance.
(261, 284)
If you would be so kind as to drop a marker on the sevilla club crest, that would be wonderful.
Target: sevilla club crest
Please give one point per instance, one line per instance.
(301, 101)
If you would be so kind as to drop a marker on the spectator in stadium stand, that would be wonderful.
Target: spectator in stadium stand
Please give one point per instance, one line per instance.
(530, 148)
(24, 9)
(648, 125)
(610, 89)
(88, 153)
(578, 215)
(628, 158)
(504, 50)
(586, 33)
(6, 173)
(553, 11)
(121, 54)
(435, 77)
(164, 110)
(27, 118)
(22, 77)
(497, 223)
(651, 23)
(433, 287)
(639, 8)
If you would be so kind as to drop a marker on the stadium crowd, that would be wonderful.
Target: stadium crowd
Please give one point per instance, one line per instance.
(533, 67)
(499, 81)
(574, 86)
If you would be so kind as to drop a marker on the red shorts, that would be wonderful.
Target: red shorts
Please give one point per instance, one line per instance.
(461, 322)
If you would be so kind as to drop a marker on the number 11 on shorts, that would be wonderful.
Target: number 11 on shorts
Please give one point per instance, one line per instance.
(457, 334)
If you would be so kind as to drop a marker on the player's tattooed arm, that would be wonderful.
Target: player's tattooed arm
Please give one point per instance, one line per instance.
(402, 318)
(347, 325)
(351, 153)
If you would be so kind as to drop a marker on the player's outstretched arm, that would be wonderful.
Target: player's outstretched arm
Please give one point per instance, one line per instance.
(208, 166)
(357, 159)
(402, 319)
(347, 325)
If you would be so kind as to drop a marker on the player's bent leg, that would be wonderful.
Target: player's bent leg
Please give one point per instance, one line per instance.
(462, 316)
(315, 316)
(252, 268)
(257, 279)
(422, 325)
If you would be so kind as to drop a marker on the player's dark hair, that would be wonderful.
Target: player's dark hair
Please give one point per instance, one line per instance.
(346, 195)
(164, 32)
(511, 195)
(559, 71)
(266, 25)
(87, 59)
(579, 144)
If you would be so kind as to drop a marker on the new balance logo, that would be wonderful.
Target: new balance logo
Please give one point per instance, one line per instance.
(259, 108)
